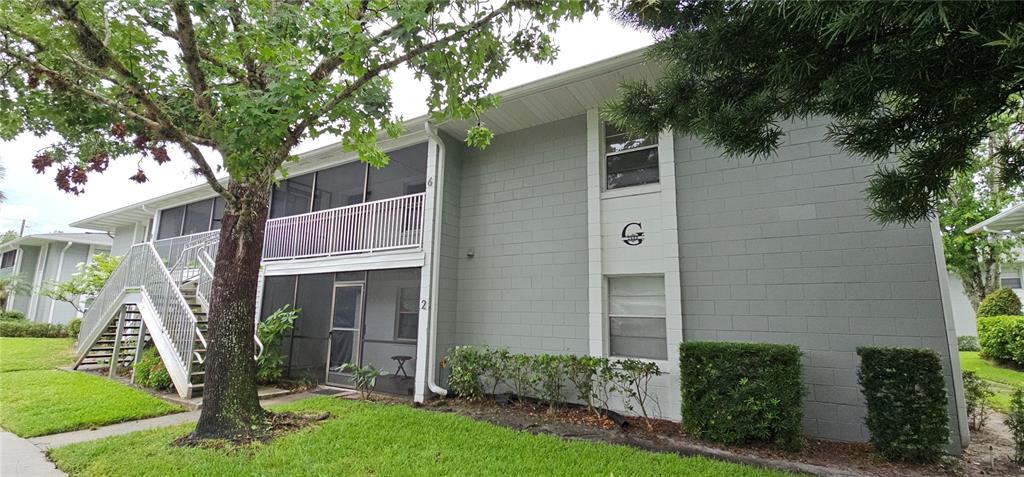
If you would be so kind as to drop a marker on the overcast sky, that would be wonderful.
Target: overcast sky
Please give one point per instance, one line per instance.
(35, 198)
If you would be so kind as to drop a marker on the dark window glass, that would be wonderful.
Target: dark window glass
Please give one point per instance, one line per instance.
(1010, 282)
(632, 168)
(405, 174)
(292, 196)
(339, 186)
(218, 212)
(170, 222)
(197, 217)
(8, 259)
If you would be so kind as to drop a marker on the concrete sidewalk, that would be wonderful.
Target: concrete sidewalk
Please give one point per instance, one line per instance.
(18, 457)
(73, 437)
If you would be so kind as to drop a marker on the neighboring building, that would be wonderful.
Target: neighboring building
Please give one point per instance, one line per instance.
(42, 259)
(563, 236)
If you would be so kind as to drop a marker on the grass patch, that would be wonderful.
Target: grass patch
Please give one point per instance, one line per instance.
(379, 439)
(36, 403)
(1002, 379)
(19, 354)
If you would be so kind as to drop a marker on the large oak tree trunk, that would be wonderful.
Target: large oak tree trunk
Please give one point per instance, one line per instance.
(231, 407)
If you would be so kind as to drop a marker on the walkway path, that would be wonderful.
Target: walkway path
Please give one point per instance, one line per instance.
(18, 457)
(27, 457)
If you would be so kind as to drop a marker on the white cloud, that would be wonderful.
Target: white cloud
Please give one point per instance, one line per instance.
(36, 199)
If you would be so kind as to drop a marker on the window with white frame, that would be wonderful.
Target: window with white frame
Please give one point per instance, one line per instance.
(1010, 278)
(636, 317)
(629, 161)
(407, 324)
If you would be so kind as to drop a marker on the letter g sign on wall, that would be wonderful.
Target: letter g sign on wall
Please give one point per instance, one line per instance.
(633, 234)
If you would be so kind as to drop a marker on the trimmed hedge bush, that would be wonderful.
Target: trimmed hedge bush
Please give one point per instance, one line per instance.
(28, 329)
(1002, 339)
(967, 343)
(74, 327)
(906, 399)
(741, 392)
(12, 315)
(1000, 302)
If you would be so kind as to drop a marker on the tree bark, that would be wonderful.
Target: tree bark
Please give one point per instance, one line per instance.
(231, 407)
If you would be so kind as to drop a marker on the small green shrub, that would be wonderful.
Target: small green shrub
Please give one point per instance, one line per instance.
(1000, 302)
(978, 394)
(635, 379)
(906, 400)
(150, 371)
(271, 331)
(1015, 421)
(582, 373)
(967, 343)
(28, 329)
(741, 392)
(74, 327)
(550, 374)
(521, 376)
(496, 367)
(1002, 339)
(12, 315)
(466, 365)
(365, 378)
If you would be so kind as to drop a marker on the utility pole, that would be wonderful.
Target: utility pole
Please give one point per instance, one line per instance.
(21, 233)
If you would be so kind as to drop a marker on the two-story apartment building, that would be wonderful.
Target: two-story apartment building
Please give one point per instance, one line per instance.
(565, 236)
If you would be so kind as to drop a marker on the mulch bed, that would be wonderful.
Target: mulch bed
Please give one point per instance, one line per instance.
(989, 453)
(279, 424)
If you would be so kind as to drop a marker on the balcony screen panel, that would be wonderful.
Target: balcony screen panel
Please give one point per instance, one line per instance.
(340, 186)
(197, 217)
(278, 291)
(292, 196)
(170, 222)
(218, 212)
(405, 174)
(309, 343)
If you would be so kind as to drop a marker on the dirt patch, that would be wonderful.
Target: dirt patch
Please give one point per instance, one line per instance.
(989, 454)
(278, 424)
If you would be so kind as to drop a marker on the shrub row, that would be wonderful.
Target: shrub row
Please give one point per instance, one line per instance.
(906, 400)
(1002, 339)
(741, 392)
(475, 371)
(28, 329)
(12, 315)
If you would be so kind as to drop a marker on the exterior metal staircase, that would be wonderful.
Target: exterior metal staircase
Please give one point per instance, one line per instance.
(159, 294)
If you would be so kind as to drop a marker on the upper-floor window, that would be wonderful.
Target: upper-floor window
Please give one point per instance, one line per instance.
(629, 161)
(1010, 279)
(8, 259)
(191, 218)
(352, 183)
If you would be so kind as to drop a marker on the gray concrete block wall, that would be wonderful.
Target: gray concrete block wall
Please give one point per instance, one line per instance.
(523, 213)
(448, 262)
(783, 251)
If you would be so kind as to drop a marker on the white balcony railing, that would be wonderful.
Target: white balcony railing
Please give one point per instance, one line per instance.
(387, 224)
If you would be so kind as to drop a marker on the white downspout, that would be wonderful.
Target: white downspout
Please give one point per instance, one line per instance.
(37, 280)
(60, 269)
(435, 270)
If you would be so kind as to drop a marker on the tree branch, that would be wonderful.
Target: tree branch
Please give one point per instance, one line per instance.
(251, 67)
(100, 55)
(295, 133)
(190, 56)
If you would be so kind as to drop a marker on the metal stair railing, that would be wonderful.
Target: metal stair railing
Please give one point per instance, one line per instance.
(103, 305)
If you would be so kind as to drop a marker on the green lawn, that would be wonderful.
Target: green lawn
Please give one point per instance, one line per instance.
(379, 439)
(37, 400)
(1003, 379)
(18, 354)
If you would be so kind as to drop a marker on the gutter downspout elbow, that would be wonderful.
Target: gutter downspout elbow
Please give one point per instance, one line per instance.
(60, 270)
(435, 269)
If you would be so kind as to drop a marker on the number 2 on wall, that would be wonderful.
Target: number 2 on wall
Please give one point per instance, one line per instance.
(423, 304)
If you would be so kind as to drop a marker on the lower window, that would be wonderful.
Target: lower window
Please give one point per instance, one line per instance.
(636, 317)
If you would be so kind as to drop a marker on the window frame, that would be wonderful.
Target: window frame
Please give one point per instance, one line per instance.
(655, 142)
(608, 315)
(399, 312)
